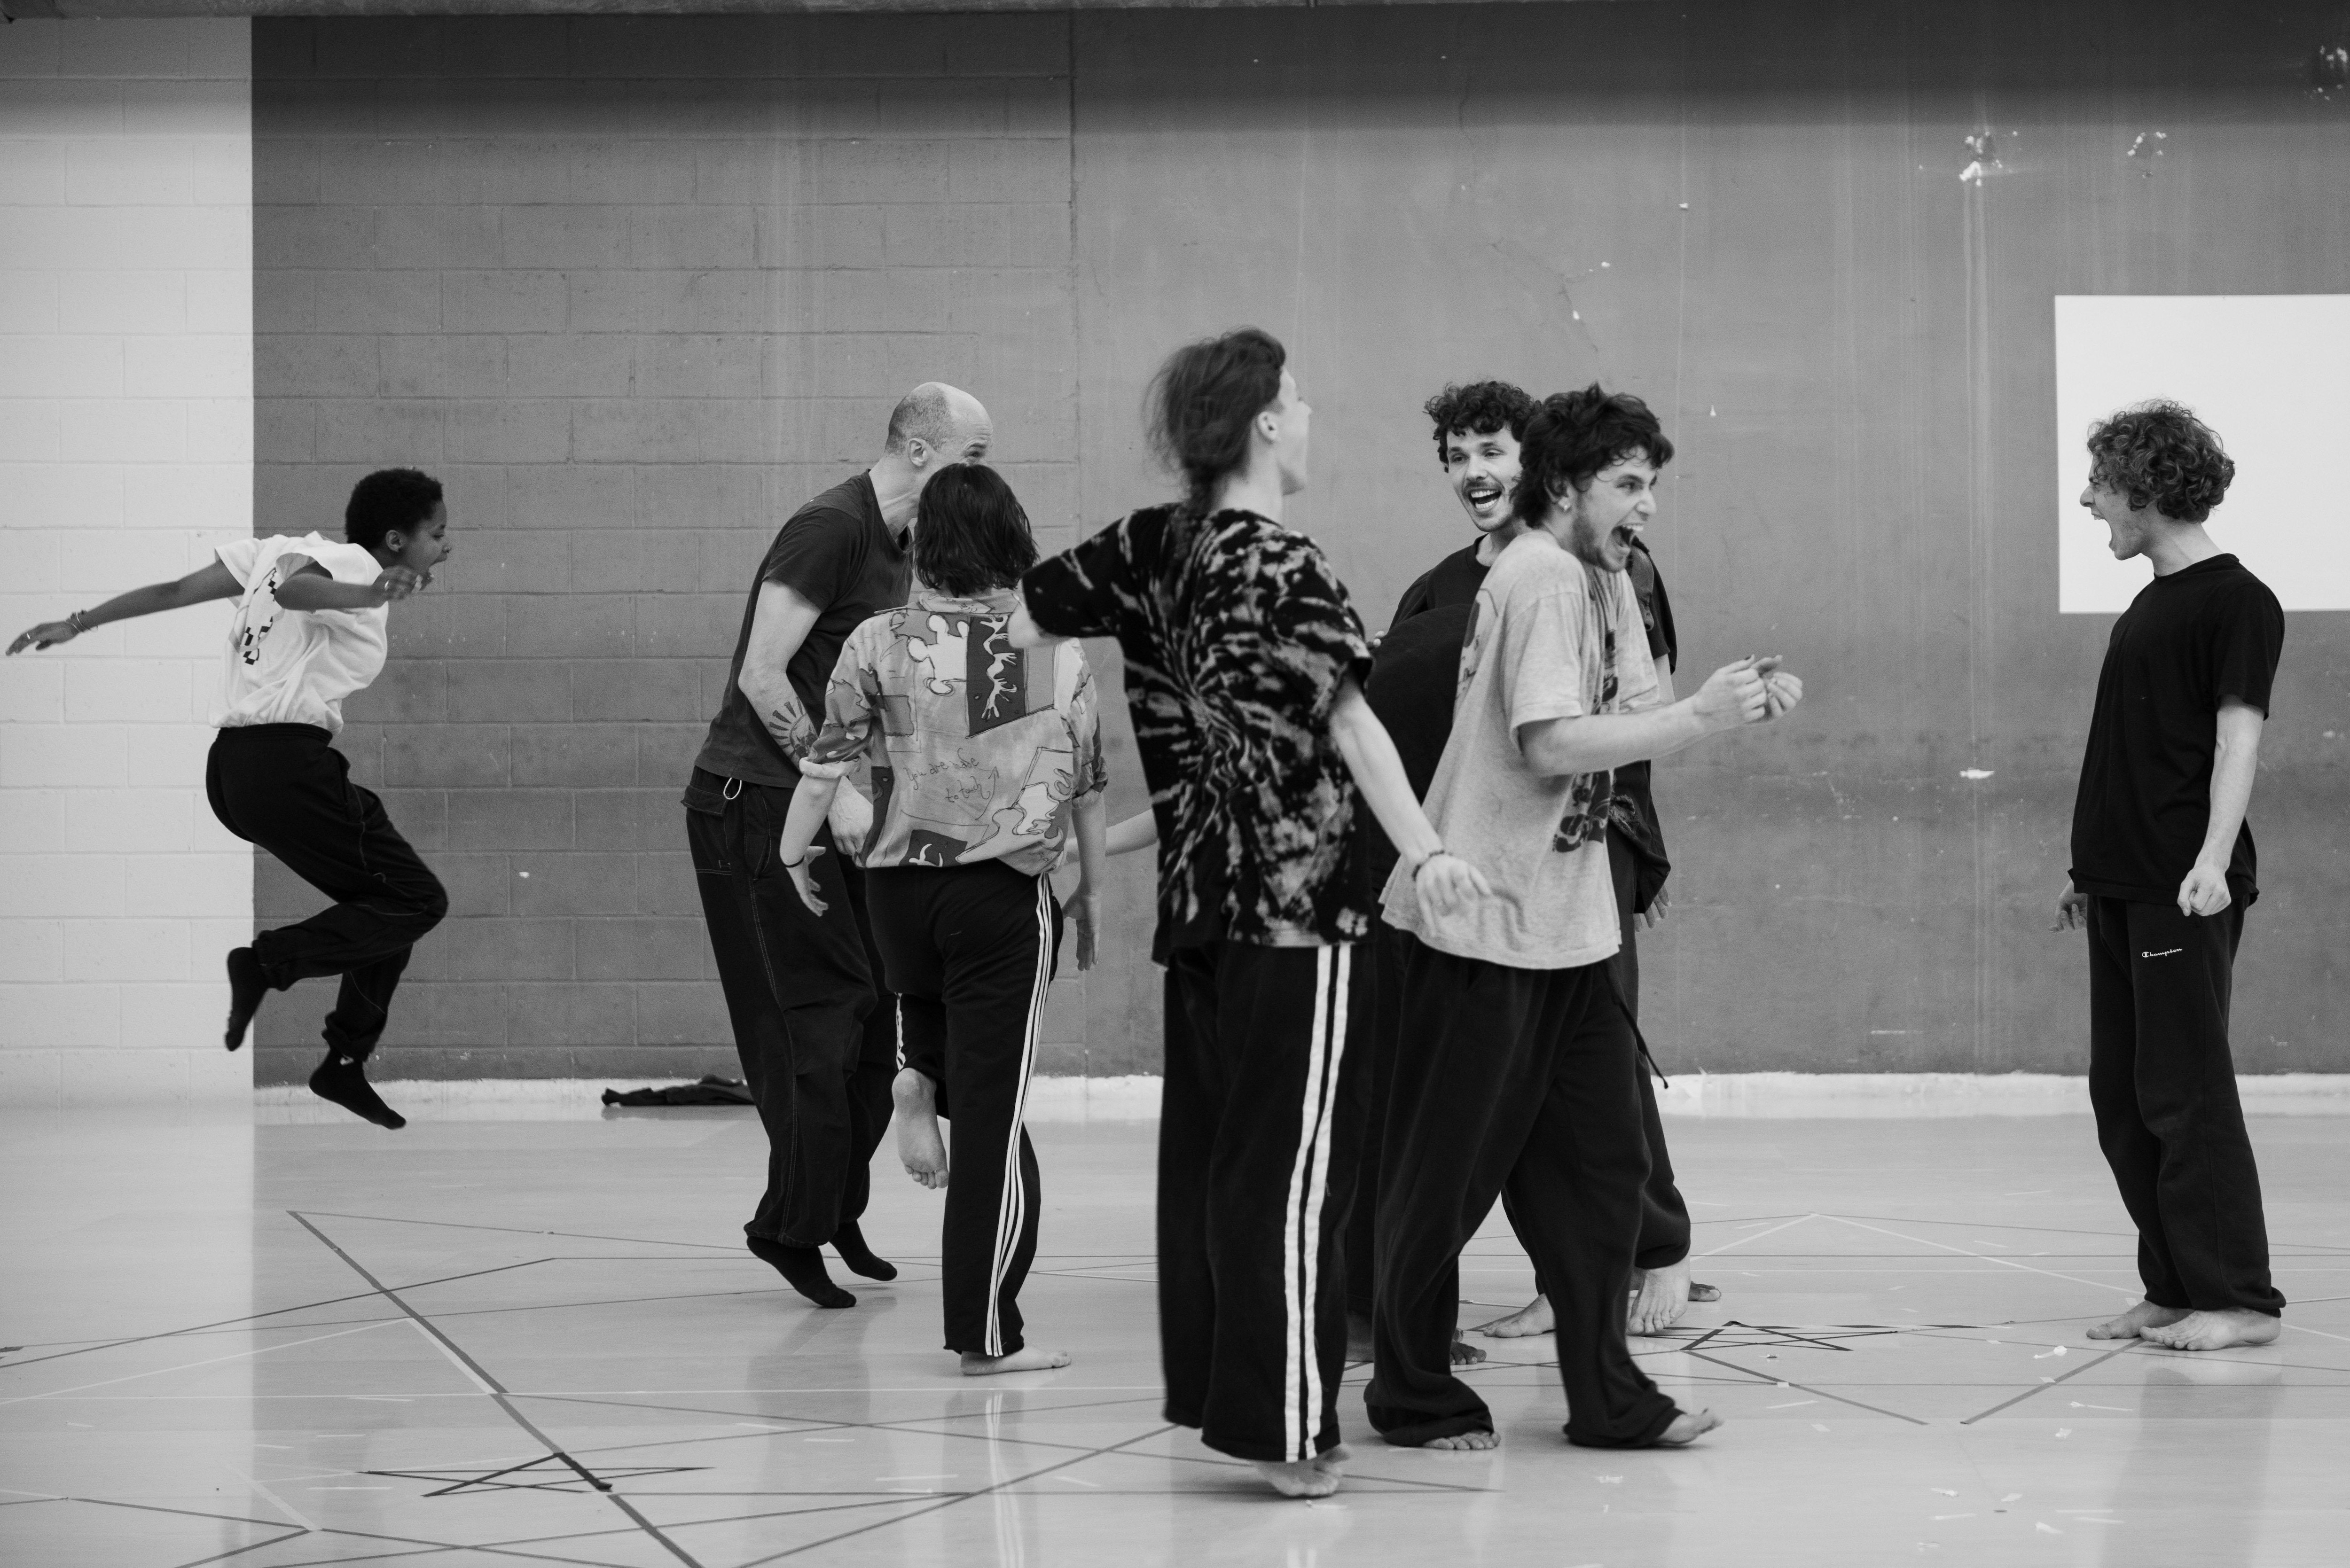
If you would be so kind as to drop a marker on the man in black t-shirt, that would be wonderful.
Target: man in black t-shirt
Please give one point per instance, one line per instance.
(818, 1049)
(2163, 872)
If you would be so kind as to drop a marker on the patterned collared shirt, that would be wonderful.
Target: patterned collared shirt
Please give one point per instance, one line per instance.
(974, 748)
(1237, 637)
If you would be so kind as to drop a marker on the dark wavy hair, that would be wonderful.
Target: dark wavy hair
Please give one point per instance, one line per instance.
(2161, 455)
(1201, 402)
(1572, 436)
(387, 499)
(1480, 407)
(971, 536)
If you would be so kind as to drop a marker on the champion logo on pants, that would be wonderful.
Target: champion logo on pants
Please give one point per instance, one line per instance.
(1302, 1215)
(2164, 953)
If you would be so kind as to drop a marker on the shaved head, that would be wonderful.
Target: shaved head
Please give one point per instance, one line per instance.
(942, 417)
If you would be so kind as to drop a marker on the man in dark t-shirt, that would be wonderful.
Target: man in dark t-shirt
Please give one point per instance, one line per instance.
(2162, 873)
(818, 1049)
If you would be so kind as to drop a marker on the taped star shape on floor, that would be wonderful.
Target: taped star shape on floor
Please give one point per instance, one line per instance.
(1737, 1335)
(549, 1472)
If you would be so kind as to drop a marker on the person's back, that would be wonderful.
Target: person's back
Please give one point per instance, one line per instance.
(982, 757)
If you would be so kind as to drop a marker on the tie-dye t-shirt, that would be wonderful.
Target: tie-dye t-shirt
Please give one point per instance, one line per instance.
(1237, 637)
(974, 748)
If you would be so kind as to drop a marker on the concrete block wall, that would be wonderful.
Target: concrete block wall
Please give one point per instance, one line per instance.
(633, 289)
(126, 445)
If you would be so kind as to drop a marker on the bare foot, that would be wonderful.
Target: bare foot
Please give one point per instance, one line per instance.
(1463, 1353)
(1333, 1460)
(1466, 1441)
(2215, 1330)
(1699, 1293)
(1301, 1477)
(1688, 1427)
(920, 1149)
(1532, 1318)
(1659, 1296)
(2136, 1321)
(1030, 1359)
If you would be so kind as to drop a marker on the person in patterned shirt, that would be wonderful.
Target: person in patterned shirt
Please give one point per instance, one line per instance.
(1525, 1067)
(982, 757)
(1244, 663)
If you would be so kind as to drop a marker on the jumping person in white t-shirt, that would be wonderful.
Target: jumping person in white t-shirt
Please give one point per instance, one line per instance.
(309, 632)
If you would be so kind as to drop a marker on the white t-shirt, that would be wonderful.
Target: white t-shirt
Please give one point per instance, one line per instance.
(296, 666)
(1547, 639)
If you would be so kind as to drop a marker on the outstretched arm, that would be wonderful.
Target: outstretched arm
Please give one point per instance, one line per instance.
(209, 582)
(1750, 692)
(1445, 881)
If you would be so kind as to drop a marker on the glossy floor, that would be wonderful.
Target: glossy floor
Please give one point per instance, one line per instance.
(478, 1342)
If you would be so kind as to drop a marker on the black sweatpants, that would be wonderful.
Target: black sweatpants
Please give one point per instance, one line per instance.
(819, 1048)
(2163, 1084)
(969, 951)
(1372, 1048)
(1529, 1080)
(1664, 1213)
(1257, 1148)
(286, 788)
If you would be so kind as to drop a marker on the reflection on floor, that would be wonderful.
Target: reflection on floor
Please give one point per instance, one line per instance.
(514, 1343)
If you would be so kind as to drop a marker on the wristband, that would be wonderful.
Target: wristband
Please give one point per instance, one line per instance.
(74, 621)
(794, 864)
(1421, 863)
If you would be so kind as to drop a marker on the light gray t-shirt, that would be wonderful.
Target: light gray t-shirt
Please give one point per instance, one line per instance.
(1547, 639)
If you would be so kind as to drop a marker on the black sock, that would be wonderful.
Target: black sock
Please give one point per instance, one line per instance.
(803, 1269)
(850, 1243)
(246, 986)
(343, 1080)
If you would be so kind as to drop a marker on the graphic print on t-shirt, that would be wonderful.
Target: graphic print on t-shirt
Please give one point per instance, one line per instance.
(1589, 802)
(973, 748)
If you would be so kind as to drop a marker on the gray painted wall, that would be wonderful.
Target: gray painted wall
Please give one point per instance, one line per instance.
(636, 287)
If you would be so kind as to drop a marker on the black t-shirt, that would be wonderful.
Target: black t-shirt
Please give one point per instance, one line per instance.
(2205, 632)
(1237, 637)
(1453, 581)
(838, 553)
(1415, 675)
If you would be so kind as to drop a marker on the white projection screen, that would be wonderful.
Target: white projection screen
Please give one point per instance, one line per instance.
(2269, 373)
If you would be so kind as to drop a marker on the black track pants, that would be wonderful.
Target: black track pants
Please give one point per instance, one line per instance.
(1664, 1214)
(1373, 1048)
(1528, 1080)
(284, 787)
(819, 1048)
(2163, 1084)
(970, 952)
(1257, 1148)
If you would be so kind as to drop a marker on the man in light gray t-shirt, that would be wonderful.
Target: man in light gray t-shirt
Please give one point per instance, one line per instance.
(1540, 647)
(1516, 1062)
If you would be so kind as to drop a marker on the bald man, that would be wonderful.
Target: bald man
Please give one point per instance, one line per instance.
(818, 1043)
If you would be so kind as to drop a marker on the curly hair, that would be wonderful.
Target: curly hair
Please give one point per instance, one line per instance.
(970, 535)
(1202, 401)
(1571, 436)
(386, 500)
(1480, 407)
(2159, 454)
